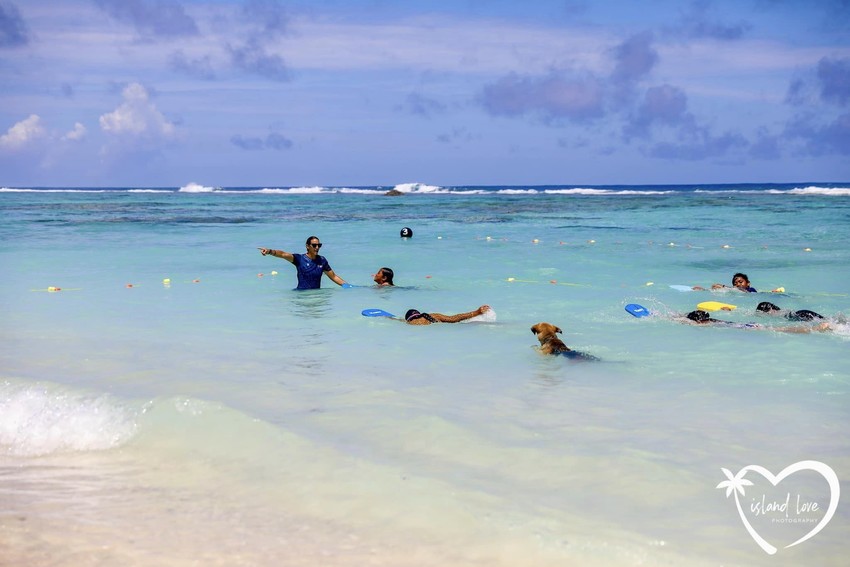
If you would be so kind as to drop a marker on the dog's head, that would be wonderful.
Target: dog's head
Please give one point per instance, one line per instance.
(543, 330)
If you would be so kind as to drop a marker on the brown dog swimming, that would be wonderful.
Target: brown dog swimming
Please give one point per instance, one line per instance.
(547, 334)
(549, 341)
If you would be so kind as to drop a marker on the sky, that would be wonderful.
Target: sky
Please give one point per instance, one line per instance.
(278, 93)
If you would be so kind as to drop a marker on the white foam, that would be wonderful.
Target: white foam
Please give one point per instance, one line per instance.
(588, 191)
(830, 191)
(197, 188)
(39, 419)
(419, 188)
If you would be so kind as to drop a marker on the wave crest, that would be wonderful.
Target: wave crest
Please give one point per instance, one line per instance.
(40, 419)
(197, 188)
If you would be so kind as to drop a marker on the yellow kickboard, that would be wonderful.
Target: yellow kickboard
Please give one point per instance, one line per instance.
(715, 306)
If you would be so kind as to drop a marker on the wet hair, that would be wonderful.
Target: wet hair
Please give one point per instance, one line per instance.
(804, 315)
(416, 314)
(699, 316)
(309, 238)
(388, 275)
(740, 275)
(767, 307)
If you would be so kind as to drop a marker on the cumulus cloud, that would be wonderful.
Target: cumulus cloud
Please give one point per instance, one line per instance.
(151, 18)
(635, 58)
(575, 95)
(13, 29)
(659, 118)
(23, 134)
(137, 117)
(78, 133)
(696, 22)
(31, 135)
(273, 141)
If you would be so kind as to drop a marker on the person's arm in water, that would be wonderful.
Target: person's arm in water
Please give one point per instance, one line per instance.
(334, 278)
(820, 328)
(460, 316)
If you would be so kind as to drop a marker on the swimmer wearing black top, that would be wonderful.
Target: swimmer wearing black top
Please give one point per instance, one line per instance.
(416, 317)
(700, 317)
(769, 308)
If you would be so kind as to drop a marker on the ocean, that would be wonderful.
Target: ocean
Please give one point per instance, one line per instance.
(168, 398)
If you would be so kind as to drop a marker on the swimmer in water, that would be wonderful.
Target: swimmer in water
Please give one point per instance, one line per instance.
(384, 277)
(769, 308)
(416, 317)
(700, 317)
(739, 281)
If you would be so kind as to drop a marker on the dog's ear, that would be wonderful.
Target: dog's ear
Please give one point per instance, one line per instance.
(558, 330)
(534, 329)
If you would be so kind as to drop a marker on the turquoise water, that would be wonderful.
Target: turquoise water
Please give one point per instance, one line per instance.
(224, 418)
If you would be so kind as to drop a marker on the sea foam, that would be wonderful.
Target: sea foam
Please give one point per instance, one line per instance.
(40, 419)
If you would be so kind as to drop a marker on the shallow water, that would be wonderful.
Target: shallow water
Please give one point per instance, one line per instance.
(226, 419)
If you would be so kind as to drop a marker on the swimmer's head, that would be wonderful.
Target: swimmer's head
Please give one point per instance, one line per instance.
(384, 276)
(699, 316)
(411, 314)
(767, 307)
(740, 280)
(804, 315)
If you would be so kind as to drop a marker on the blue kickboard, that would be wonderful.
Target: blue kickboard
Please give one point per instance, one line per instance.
(637, 310)
(376, 313)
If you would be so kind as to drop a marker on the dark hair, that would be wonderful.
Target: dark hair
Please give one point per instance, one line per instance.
(410, 313)
(699, 316)
(415, 314)
(309, 238)
(388, 275)
(804, 315)
(740, 275)
(767, 307)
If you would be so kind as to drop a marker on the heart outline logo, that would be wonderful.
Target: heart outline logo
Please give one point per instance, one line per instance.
(736, 483)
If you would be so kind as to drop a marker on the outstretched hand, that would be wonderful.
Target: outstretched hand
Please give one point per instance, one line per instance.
(264, 251)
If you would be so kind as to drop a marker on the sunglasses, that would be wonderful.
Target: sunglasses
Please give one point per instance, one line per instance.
(315, 245)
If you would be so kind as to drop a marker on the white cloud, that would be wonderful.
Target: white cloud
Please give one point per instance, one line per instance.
(137, 116)
(23, 133)
(78, 133)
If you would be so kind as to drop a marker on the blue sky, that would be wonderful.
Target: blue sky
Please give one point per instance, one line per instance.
(152, 93)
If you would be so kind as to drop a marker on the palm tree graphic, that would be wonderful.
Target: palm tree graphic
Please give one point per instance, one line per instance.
(735, 484)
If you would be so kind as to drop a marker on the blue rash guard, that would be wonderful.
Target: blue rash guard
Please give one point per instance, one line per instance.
(310, 271)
